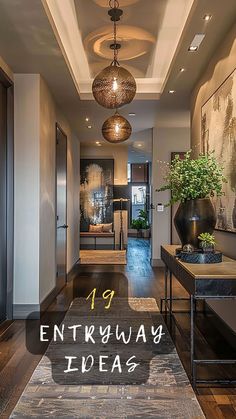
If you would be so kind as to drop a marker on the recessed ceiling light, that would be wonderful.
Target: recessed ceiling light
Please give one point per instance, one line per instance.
(86, 119)
(193, 49)
(196, 42)
(182, 70)
(171, 92)
(139, 145)
(132, 114)
(207, 17)
(98, 142)
(89, 126)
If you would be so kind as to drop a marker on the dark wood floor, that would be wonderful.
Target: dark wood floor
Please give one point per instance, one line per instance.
(139, 279)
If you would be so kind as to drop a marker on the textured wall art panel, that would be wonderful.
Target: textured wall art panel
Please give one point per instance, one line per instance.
(219, 134)
(96, 191)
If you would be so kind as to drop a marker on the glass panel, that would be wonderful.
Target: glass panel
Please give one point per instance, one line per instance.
(138, 200)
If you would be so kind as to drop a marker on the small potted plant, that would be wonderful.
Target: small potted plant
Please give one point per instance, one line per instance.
(207, 242)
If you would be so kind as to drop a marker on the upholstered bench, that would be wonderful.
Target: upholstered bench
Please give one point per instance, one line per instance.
(98, 235)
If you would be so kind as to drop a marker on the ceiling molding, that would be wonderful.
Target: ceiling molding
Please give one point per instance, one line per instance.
(63, 19)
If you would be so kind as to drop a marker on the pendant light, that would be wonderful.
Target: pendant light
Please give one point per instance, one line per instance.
(116, 129)
(114, 86)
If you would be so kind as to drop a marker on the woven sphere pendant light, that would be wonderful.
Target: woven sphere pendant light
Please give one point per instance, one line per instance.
(116, 129)
(114, 87)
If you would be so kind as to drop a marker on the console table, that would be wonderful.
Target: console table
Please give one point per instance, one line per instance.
(202, 282)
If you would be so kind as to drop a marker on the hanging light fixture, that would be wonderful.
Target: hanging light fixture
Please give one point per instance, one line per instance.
(114, 86)
(116, 129)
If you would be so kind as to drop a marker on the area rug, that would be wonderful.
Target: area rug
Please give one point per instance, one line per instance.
(158, 388)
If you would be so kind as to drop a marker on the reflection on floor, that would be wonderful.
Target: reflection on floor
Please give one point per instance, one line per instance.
(17, 364)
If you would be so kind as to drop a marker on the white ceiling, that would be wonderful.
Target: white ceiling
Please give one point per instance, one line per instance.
(29, 44)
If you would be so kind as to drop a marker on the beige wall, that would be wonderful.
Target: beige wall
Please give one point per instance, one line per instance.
(26, 190)
(221, 65)
(165, 141)
(117, 152)
(36, 115)
(49, 115)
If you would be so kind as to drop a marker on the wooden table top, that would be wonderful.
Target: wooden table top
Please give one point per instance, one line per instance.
(224, 270)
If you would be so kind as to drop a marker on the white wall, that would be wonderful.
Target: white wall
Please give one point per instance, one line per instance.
(220, 67)
(165, 141)
(36, 115)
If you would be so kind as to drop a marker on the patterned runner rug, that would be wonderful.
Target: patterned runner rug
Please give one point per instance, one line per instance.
(158, 388)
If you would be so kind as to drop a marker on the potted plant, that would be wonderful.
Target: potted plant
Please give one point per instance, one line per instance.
(192, 183)
(145, 229)
(137, 225)
(207, 242)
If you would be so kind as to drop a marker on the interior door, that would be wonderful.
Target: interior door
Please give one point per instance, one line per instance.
(61, 187)
(3, 202)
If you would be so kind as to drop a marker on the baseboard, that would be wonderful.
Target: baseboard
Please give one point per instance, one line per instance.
(57, 289)
(73, 271)
(157, 263)
(22, 311)
(50, 297)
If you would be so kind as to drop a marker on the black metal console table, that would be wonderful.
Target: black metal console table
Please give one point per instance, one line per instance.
(202, 282)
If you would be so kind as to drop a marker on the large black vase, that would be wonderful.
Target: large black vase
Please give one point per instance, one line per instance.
(194, 217)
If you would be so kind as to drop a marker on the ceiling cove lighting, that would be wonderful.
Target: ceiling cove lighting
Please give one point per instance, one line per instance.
(196, 42)
(114, 86)
(116, 129)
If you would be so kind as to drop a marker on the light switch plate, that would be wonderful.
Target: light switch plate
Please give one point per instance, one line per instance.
(160, 207)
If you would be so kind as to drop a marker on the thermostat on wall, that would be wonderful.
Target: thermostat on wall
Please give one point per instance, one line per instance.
(160, 207)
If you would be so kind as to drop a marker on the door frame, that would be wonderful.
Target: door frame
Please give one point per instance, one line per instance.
(58, 127)
(8, 83)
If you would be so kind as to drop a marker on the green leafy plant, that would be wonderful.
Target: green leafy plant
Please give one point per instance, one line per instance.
(141, 223)
(194, 178)
(143, 216)
(137, 224)
(207, 239)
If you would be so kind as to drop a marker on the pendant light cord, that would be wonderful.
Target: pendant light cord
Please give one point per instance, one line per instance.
(114, 4)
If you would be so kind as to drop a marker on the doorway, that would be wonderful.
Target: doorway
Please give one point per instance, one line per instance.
(139, 193)
(6, 197)
(61, 206)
